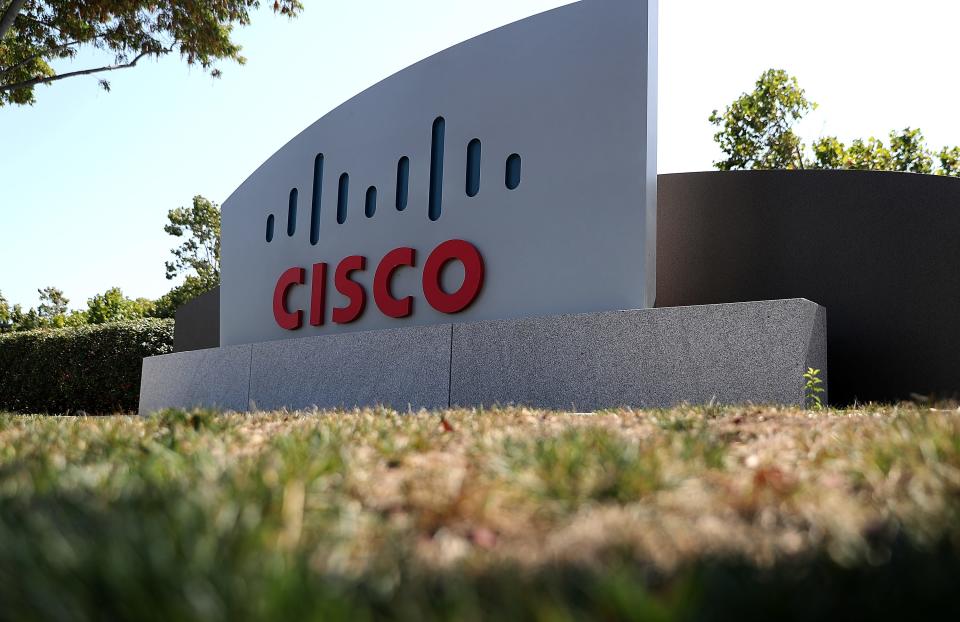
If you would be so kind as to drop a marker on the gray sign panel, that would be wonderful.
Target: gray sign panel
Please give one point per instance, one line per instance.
(534, 143)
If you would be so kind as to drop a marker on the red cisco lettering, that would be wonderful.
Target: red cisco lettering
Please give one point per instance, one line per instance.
(287, 319)
(467, 254)
(388, 305)
(318, 294)
(449, 303)
(351, 289)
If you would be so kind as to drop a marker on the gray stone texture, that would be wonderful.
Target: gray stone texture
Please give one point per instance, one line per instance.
(403, 368)
(214, 378)
(730, 353)
(749, 352)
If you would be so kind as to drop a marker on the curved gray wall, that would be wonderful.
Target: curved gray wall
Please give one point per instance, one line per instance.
(881, 251)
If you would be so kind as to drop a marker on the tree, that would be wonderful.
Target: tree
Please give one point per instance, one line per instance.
(24, 321)
(949, 161)
(908, 153)
(757, 128)
(198, 256)
(35, 33)
(200, 252)
(52, 310)
(113, 306)
(6, 318)
(110, 306)
(829, 152)
(868, 155)
(758, 133)
(166, 306)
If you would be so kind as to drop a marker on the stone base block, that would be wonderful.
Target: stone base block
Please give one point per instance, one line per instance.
(402, 367)
(733, 353)
(730, 353)
(213, 378)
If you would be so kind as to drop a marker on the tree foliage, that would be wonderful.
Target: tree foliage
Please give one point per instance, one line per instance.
(53, 312)
(757, 132)
(36, 33)
(197, 257)
(949, 161)
(6, 318)
(166, 306)
(199, 253)
(113, 306)
(907, 152)
(53, 306)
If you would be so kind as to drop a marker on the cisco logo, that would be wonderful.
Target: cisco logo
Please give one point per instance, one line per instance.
(435, 201)
(452, 250)
(406, 204)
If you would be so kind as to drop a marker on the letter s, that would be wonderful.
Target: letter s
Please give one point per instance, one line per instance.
(351, 289)
(390, 306)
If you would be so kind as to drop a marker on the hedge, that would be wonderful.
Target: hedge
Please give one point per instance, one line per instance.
(93, 368)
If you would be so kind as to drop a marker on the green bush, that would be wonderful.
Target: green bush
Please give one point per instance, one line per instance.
(92, 368)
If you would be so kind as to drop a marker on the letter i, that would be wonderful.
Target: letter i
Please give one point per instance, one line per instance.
(318, 291)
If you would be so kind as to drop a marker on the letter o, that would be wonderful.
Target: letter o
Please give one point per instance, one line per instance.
(467, 254)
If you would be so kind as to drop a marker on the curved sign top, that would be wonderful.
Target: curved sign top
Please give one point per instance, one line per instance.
(511, 175)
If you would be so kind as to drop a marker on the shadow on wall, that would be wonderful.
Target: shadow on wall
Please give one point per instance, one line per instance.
(879, 250)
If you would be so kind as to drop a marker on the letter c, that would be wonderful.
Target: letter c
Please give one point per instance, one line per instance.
(286, 319)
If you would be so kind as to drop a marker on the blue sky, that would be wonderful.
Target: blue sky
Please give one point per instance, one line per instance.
(87, 176)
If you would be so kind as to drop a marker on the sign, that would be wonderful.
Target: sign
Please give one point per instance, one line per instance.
(512, 175)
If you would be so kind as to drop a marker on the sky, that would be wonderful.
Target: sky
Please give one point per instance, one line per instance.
(87, 177)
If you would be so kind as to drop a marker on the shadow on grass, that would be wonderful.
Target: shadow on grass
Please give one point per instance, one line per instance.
(161, 555)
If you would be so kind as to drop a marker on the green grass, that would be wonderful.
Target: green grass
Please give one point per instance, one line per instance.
(512, 514)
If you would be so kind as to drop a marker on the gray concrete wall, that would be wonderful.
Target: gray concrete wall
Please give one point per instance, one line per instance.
(878, 250)
(402, 367)
(213, 378)
(754, 352)
(750, 352)
(198, 323)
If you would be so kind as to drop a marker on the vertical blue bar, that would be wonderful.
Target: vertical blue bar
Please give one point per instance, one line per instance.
(403, 182)
(317, 196)
(270, 228)
(473, 167)
(292, 213)
(436, 168)
(512, 178)
(370, 208)
(342, 198)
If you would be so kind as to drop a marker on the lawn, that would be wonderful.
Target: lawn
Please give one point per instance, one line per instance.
(507, 514)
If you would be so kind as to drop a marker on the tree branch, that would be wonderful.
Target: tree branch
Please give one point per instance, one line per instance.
(43, 23)
(6, 20)
(85, 72)
(7, 70)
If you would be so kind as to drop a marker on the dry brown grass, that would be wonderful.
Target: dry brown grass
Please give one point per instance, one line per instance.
(533, 486)
(369, 493)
